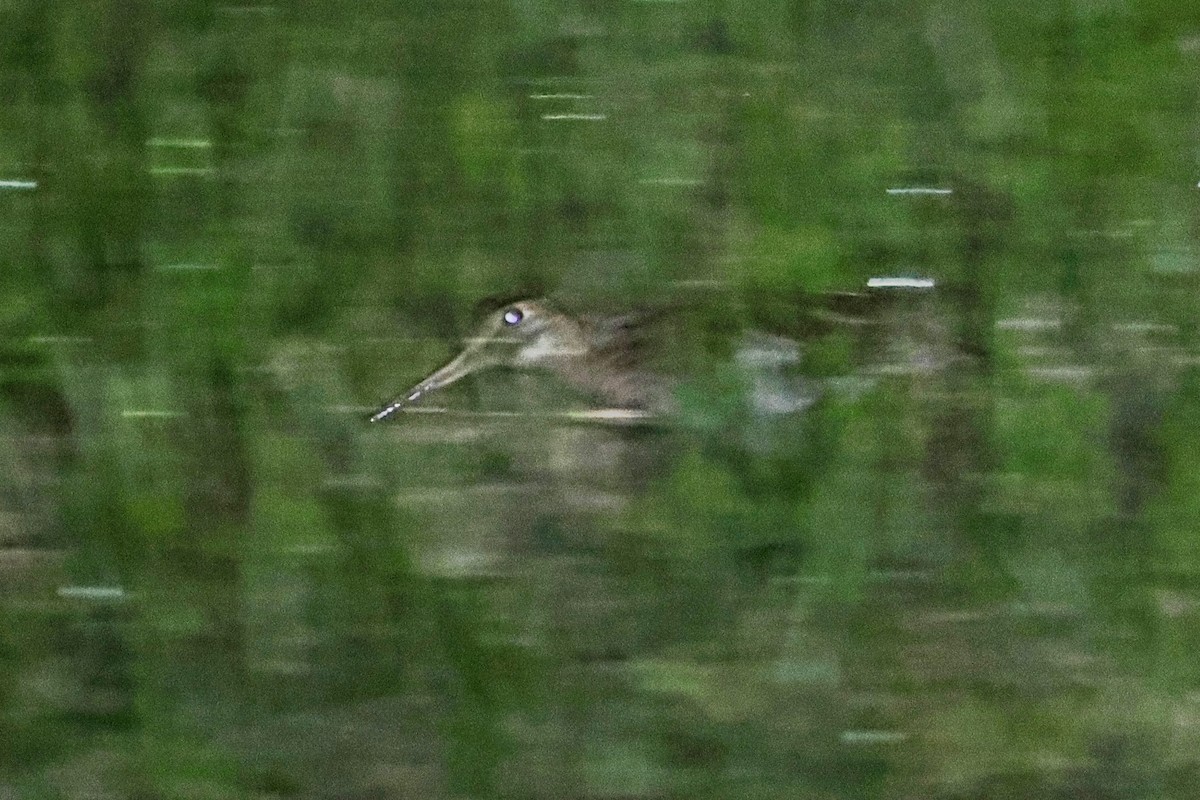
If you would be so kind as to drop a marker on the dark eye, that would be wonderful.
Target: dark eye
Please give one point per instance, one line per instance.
(513, 316)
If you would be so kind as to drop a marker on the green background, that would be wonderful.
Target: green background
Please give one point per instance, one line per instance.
(227, 230)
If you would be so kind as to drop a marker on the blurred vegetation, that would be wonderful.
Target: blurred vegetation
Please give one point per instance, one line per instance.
(969, 571)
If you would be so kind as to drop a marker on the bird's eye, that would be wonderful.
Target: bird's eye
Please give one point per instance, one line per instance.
(513, 316)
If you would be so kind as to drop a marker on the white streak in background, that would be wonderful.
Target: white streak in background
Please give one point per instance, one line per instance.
(561, 96)
(575, 117)
(149, 413)
(190, 267)
(17, 184)
(900, 190)
(92, 592)
(186, 144)
(894, 282)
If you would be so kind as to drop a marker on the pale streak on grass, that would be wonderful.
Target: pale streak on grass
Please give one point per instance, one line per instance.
(900, 282)
(92, 592)
(919, 190)
(574, 117)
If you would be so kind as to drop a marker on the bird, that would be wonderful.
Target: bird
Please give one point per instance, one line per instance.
(619, 359)
(596, 355)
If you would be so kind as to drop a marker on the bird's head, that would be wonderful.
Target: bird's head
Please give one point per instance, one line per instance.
(524, 334)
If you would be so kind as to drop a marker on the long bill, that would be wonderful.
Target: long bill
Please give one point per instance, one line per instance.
(456, 369)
